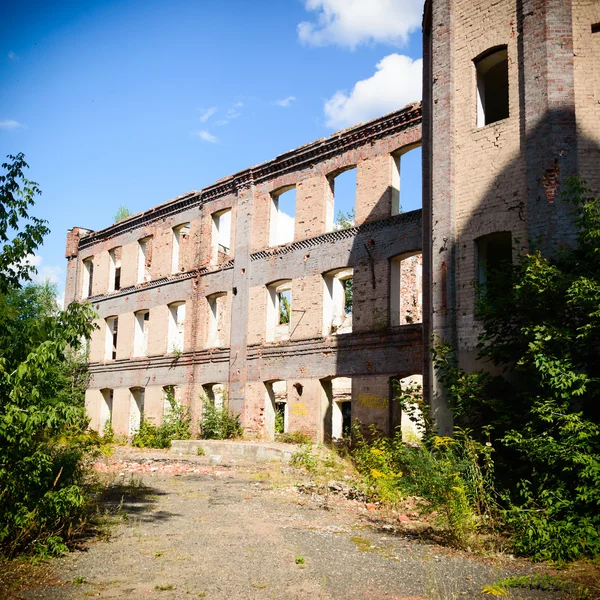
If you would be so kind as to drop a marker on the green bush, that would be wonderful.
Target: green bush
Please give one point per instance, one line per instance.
(543, 412)
(218, 423)
(176, 425)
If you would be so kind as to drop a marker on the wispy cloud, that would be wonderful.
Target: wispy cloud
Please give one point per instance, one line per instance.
(350, 23)
(51, 273)
(9, 124)
(207, 114)
(285, 102)
(231, 114)
(396, 82)
(206, 136)
(13, 55)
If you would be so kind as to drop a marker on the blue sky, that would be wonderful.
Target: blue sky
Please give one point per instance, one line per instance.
(135, 102)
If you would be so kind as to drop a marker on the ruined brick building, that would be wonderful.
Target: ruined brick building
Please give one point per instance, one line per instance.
(190, 293)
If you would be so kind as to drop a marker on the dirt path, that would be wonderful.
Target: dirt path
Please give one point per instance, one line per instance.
(243, 531)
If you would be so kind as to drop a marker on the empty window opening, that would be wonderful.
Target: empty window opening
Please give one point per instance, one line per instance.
(494, 251)
(181, 236)
(279, 311)
(406, 290)
(106, 411)
(88, 277)
(171, 399)
(114, 277)
(341, 413)
(283, 215)
(217, 304)
(276, 408)
(112, 328)
(144, 259)
(221, 235)
(407, 416)
(136, 410)
(176, 327)
(343, 188)
(140, 338)
(337, 302)
(492, 87)
(215, 394)
(407, 180)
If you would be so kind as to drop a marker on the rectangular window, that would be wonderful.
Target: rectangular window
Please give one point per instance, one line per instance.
(88, 278)
(343, 188)
(106, 410)
(283, 215)
(493, 251)
(337, 302)
(140, 337)
(221, 235)
(114, 281)
(176, 327)
(406, 290)
(492, 86)
(144, 259)
(216, 320)
(112, 328)
(181, 235)
(136, 410)
(279, 311)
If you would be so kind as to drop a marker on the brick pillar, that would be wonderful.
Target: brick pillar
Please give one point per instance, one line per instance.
(93, 402)
(121, 407)
(370, 286)
(307, 307)
(158, 330)
(154, 404)
(314, 207)
(374, 178)
(371, 402)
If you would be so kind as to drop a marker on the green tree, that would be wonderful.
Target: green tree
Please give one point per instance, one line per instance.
(41, 387)
(121, 214)
(544, 410)
(20, 233)
(344, 220)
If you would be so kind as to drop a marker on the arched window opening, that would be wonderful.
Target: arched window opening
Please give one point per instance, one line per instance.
(343, 189)
(406, 290)
(407, 180)
(283, 216)
(337, 302)
(492, 86)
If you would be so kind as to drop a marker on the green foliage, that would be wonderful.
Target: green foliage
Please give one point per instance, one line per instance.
(344, 220)
(284, 310)
(42, 383)
(21, 234)
(450, 474)
(279, 422)
(294, 437)
(121, 214)
(543, 412)
(218, 423)
(176, 425)
(348, 296)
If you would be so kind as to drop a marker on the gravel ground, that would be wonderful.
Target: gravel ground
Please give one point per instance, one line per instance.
(188, 529)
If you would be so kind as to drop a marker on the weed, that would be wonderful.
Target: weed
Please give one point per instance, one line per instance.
(158, 554)
(295, 437)
(163, 588)
(218, 423)
(299, 560)
(79, 580)
(200, 451)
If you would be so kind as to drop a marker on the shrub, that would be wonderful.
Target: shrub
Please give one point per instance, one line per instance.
(176, 425)
(217, 423)
(294, 437)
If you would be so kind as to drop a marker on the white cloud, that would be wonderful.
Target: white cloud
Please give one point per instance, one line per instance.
(285, 102)
(207, 114)
(9, 124)
(231, 114)
(206, 136)
(285, 228)
(44, 272)
(13, 55)
(353, 22)
(396, 82)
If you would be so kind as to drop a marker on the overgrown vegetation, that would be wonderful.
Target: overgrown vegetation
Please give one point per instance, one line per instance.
(344, 220)
(218, 423)
(122, 213)
(42, 380)
(538, 419)
(176, 425)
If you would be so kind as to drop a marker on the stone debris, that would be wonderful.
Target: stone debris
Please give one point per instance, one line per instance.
(153, 466)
